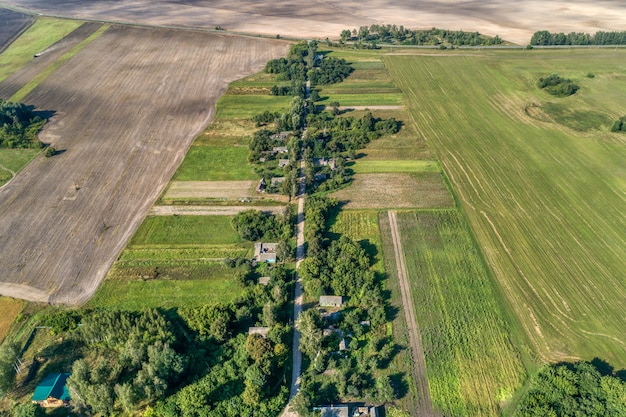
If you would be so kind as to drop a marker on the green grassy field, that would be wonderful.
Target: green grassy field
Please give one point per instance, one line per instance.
(14, 160)
(471, 364)
(369, 166)
(173, 261)
(356, 98)
(185, 230)
(213, 163)
(43, 33)
(139, 294)
(545, 201)
(246, 106)
(30, 86)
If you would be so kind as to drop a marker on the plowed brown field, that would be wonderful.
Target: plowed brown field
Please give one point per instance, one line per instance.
(514, 21)
(11, 25)
(126, 110)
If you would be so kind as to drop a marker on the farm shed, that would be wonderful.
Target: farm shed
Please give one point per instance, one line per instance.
(342, 410)
(259, 330)
(265, 252)
(52, 391)
(279, 149)
(280, 136)
(331, 301)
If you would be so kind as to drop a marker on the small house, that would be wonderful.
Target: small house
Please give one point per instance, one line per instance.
(262, 331)
(265, 252)
(52, 391)
(323, 162)
(279, 149)
(343, 345)
(365, 411)
(331, 301)
(261, 187)
(264, 280)
(283, 163)
(341, 410)
(276, 181)
(280, 136)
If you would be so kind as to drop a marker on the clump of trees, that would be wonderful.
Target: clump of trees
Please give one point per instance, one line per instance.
(19, 126)
(577, 389)
(133, 359)
(545, 38)
(557, 86)
(619, 125)
(370, 36)
(256, 225)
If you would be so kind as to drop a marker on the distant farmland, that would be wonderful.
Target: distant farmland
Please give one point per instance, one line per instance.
(126, 110)
(544, 190)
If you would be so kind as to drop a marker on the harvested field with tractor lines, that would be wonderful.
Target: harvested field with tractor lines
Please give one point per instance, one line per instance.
(126, 109)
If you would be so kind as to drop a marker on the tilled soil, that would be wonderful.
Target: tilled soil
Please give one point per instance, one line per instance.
(11, 25)
(126, 110)
(513, 21)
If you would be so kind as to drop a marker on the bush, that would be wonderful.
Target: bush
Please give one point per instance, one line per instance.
(557, 86)
(619, 125)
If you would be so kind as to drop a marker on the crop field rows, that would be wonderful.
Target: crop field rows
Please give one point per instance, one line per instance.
(124, 127)
(544, 200)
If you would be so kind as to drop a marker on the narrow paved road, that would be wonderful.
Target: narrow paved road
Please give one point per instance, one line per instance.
(425, 407)
(298, 298)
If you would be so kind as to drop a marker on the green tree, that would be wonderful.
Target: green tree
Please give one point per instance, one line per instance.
(27, 410)
(8, 356)
(309, 323)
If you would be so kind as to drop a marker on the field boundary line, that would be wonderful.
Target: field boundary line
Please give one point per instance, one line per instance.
(425, 408)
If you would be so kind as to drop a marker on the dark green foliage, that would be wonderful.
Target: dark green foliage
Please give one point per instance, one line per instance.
(265, 118)
(210, 320)
(131, 360)
(619, 125)
(344, 134)
(557, 86)
(62, 321)
(256, 225)
(577, 389)
(392, 34)
(545, 38)
(27, 410)
(19, 126)
(330, 71)
(50, 152)
(8, 355)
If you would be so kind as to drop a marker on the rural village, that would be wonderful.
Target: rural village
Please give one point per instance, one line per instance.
(221, 218)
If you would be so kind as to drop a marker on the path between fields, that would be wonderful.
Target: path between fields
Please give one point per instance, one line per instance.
(371, 108)
(297, 299)
(425, 407)
(209, 210)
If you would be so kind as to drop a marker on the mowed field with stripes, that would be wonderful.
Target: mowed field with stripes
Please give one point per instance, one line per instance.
(542, 181)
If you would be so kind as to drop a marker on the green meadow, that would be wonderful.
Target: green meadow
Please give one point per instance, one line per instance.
(542, 182)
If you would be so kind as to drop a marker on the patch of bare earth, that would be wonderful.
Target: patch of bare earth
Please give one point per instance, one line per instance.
(210, 210)
(217, 190)
(514, 21)
(127, 108)
(395, 190)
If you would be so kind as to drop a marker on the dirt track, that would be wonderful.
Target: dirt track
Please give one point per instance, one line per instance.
(126, 110)
(514, 21)
(419, 370)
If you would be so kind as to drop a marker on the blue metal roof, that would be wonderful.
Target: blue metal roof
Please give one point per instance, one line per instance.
(52, 386)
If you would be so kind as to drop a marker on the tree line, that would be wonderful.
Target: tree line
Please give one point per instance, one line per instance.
(399, 35)
(573, 389)
(545, 38)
